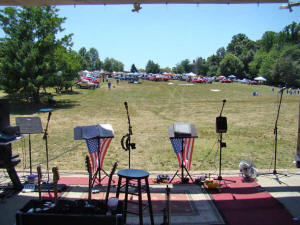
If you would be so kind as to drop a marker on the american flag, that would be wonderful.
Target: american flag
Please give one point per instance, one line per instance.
(97, 156)
(188, 146)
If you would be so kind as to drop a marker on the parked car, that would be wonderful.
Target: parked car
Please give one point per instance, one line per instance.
(226, 81)
(253, 82)
(198, 80)
(85, 84)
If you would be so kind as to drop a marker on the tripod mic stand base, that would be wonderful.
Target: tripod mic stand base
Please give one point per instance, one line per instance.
(276, 173)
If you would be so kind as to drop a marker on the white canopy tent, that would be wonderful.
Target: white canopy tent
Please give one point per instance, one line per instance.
(260, 79)
(191, 74)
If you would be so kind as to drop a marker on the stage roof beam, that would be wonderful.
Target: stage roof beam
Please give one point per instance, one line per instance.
(113, 2)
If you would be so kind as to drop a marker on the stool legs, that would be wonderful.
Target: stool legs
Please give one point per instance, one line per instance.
(140, 202)
(149, 201)
(118, 187)
(139, 199)
(126, 200)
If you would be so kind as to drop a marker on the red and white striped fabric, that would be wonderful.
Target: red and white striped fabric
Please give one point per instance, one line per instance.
(188, 152)
(97, 149)
(188, 146)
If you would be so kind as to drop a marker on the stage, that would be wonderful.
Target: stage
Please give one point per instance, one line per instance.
(264, 201)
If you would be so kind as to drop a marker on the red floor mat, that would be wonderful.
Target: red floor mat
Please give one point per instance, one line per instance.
(246, 203)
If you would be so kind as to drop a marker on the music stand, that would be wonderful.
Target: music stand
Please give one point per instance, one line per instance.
(103, 134)
(29, 125)
(181, 132)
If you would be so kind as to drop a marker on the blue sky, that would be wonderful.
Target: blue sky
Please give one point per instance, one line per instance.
(169, 33)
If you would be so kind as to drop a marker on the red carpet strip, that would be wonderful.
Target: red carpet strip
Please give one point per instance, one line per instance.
(246, 203)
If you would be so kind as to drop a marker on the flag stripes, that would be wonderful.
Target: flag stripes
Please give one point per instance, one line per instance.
(94, 145)
(183, 147)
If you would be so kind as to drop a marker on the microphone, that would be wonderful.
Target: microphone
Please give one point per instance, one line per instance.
(224, 100)
(126, 106)
(49, 115)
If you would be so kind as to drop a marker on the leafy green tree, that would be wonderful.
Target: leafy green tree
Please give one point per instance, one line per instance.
(255, 64)
(231, 65)
(87, 58)
(29, 48)
(221, 52)
(290, 34)
(110, 65)
(179, 69)
(286, 70)
(107, 65)
(201, 66)
(152, 67)
(98, 64)
(268, 41)
(68, 65)
(117, 65)
(213, 61)
(186, 64)
(94, 56)
(244, 48)
(133, 69)
(268, 61)
(166, 69)
(83, 62)
(82, 51)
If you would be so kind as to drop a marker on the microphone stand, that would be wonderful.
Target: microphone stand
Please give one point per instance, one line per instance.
(275, 134)
(222, 144)
(45, 137)
(129, 145)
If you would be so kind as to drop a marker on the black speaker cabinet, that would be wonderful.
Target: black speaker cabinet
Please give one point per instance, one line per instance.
(221, 124)
(4, 113)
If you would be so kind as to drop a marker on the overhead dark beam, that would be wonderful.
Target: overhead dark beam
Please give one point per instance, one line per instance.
(112, 2)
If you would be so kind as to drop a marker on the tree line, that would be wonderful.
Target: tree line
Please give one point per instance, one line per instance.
(276, 56)
(33, 58)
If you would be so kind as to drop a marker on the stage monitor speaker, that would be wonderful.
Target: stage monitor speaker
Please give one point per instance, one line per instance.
(4, 113)
(221, 124)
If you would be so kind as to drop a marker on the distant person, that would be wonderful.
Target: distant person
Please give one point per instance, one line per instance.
(273, 89)
(118, 81)
(108, 85)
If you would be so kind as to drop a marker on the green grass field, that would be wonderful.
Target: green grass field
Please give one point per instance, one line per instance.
(153, 106)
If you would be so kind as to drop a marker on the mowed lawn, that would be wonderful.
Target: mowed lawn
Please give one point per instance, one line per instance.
(153, 106)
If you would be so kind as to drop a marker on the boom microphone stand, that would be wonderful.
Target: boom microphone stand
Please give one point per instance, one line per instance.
(46, 186)
(45, 137)
(275, 133)
(128, 145)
